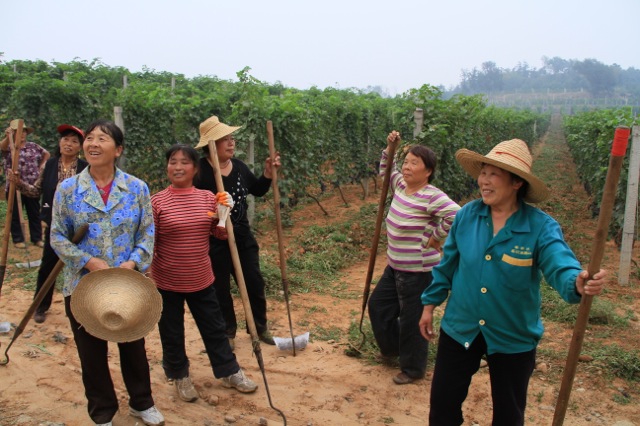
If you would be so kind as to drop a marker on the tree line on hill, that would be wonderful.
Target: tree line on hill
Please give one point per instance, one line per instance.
(556, 75)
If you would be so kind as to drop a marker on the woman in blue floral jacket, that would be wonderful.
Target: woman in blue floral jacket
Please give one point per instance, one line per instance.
(117, 207)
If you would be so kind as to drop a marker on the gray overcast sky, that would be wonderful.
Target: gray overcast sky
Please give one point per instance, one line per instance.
(396, 44)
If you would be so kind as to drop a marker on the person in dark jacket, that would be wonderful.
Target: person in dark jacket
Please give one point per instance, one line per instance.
(64, 163)
(240, 182)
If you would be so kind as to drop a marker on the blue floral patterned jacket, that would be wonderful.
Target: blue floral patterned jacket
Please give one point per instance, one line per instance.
(119, 231)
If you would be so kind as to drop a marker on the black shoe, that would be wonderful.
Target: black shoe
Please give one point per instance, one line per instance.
(266, 337)
(403, 379)
(40, 317)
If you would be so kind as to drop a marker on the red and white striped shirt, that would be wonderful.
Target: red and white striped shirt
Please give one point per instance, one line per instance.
(181, 255)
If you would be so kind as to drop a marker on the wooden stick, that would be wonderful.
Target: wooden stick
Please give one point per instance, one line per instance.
(235, 257)
(15, 157)
(276, 202)
(376, 236)
(49, 282)
(618, 150)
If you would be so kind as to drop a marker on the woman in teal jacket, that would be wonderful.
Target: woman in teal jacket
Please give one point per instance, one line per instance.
(495, 256)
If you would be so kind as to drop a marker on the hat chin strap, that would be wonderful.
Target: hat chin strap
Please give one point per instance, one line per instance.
(527, 165)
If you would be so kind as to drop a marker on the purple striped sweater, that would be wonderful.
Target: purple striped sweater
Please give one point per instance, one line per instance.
(412, 220)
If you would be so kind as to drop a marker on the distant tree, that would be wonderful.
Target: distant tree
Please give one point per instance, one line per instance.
(601, 78)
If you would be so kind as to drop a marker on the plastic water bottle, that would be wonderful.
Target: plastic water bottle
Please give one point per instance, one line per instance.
(5, 327)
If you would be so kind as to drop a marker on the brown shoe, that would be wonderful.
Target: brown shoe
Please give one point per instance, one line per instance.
(39, 243)
(403, 379)
(19, 245)
(40, 317)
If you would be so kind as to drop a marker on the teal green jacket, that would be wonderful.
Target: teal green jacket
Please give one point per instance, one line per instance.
(493, 283)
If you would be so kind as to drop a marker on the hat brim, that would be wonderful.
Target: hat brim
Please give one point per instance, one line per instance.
(14, 125)
(219, 132)
(63, 127)
(472, 163)
(116, 304)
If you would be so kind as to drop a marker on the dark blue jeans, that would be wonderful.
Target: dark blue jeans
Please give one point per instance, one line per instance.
(395, 310)
(206, 313)
(455, 366)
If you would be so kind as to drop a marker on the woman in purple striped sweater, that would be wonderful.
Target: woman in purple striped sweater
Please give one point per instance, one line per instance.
(418, 221)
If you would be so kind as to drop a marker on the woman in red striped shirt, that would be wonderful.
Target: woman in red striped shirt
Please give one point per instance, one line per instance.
(184, 218)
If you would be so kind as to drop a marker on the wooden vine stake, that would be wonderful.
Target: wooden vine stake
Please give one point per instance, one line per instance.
(373, 253)
(618, 149)
(18, 126)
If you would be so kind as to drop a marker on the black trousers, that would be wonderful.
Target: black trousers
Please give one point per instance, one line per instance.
(49, 260)
(205, 309)
(98, 386)
(32, 206)
(455, 366)
(248, 251)
(395, 310)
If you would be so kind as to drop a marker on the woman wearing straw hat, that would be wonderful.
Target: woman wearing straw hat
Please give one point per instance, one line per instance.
(181, 268)
(419, 219)
(117, 207)
(32, 158)
(494, 258)
(240, 182)
(64, 164)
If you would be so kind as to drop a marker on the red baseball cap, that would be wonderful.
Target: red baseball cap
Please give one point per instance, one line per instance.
(63, 127)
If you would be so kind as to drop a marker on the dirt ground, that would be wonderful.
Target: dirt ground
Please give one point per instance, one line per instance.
(41, 385)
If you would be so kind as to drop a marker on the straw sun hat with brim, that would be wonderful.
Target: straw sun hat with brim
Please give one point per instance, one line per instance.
(212, 129)
(25, 129)
(116, 304)
(513, 156)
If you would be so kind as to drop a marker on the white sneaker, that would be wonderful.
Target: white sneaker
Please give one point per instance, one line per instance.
(150, 416)
(104, 424)
(186, 391)
(240, 382)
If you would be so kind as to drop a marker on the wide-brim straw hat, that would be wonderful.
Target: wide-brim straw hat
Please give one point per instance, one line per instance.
(116, 304)
(25, 129)
(212, 129)
(513, 156)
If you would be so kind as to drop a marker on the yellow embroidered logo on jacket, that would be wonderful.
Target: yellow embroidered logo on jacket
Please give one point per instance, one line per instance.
(517, 262)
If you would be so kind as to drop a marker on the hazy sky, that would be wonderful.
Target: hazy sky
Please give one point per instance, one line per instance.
(396, 44)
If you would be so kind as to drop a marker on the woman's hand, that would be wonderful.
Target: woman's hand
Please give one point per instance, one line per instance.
(435, 244)
(96, 264)
(129, 264)
(393, 139)
(14, 177)
(268, 167)
(426, 322)
(590, 287)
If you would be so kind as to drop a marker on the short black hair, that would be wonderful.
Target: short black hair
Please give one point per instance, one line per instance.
(110, 128)
(428, 157)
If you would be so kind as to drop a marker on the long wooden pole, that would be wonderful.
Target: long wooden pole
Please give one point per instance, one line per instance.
(235, 257)
(15, 156)
(276, 202)
(391, 153)
(618, 149)
(51, 279)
